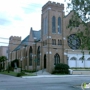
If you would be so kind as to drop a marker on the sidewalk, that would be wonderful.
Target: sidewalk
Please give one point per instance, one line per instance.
(54, 76)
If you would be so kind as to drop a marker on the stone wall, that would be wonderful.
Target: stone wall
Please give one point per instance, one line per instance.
(81, 72)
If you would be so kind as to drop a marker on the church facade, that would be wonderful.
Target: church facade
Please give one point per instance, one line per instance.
(43, 49)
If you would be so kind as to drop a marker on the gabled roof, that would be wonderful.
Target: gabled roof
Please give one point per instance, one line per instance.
(36, 34)
(24, 42)
(68, 14)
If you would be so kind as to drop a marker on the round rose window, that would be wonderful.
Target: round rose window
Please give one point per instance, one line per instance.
(74, 41)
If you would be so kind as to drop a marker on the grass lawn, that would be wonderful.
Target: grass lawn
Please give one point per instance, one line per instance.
(15, 74)
(81, 69)
(60, 74)
(10, 73)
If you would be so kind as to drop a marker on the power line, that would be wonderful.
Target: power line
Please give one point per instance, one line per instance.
(34, 46)
(27, 41)
(3, 38)
(33, 42)
(4, 42)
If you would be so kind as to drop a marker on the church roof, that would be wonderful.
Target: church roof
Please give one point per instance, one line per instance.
(24, 42)
(36, 34)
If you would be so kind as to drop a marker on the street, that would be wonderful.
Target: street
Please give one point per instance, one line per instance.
(42, 83)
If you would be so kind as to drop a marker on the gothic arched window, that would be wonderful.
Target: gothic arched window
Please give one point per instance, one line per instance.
(56, 59)
(81, 58)
(73, 58)
(30, 56)
(38, 56)
(53, 24)
(59, 25)
(88, 59)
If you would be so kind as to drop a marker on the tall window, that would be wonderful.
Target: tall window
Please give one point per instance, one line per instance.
(44, 42)
(30, 56)
(38, 56)
(43, 26)
(46, 25)
(59, 25)
(56, 59)
(53, 24)
(59, 42)
(53, 41)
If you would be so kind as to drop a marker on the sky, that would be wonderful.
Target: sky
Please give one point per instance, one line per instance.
(18, 16)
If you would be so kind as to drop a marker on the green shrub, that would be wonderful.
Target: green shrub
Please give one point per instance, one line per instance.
(61, 68)
(53, 72)
(20, 74)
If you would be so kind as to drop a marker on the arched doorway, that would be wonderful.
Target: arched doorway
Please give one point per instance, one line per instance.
(45, 61)
(30, 56)
(72, 62)
(38, 56)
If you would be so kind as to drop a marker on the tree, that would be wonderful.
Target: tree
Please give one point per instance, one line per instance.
(2, 59)
(81, 10)
(81, 7)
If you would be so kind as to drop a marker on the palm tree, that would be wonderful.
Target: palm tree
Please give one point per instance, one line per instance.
(2, 59)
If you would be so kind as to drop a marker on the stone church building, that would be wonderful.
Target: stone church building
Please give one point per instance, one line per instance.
(43, 49)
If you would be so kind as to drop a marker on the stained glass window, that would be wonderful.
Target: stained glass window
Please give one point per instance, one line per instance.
(30, 56)
(59, 25)
(38, 56)
(53, 24)
(74, 41)
(56, 59)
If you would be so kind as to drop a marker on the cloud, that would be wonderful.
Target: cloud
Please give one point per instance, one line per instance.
(4, 21)
(17, 18)
(30, 8)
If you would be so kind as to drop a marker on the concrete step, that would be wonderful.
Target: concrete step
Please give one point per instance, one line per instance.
(42, 72)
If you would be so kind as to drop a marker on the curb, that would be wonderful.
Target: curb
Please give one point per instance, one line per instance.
(54, 76)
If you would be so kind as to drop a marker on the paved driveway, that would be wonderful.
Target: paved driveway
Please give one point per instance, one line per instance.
(42, 83)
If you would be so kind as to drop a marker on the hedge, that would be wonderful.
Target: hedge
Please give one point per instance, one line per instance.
(61, 69)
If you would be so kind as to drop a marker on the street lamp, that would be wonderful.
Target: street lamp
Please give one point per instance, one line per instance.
(35, 60)
(21, 64)
(8, 65)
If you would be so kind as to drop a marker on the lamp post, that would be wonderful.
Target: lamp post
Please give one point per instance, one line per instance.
(23, 51)
(21, 64)
(8, 66)
(35, 56)
(36, 63)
